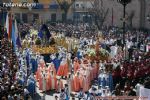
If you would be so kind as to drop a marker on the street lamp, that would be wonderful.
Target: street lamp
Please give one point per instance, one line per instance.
(124, 3)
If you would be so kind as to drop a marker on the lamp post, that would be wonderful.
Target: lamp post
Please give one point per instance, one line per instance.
(124, 3)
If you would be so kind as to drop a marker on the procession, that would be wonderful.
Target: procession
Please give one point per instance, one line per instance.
(68, 61)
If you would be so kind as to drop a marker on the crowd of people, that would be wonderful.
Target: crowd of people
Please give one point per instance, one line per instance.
(124, 68)
(9, 88)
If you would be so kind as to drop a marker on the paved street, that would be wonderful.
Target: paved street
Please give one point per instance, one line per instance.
(49, 95)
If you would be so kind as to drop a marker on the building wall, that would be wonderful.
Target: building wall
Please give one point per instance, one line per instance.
(140, 9)
(44, 15)
(147, 23)
(116, 12)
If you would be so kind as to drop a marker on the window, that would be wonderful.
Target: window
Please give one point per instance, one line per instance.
(63, 17)
(24, 18)
(77, 5)
(17, 16)
(53, 17)
(35, 17)
(82, 6)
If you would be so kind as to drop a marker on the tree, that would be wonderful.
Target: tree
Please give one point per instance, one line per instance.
(99, 12)
(65, 5)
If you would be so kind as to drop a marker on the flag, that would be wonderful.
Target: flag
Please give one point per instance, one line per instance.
(16, 28)
(18, 41)
(13, 35)
(44, 30)
(8, 25)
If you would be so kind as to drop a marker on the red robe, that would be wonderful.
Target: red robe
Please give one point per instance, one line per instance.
(63, 70)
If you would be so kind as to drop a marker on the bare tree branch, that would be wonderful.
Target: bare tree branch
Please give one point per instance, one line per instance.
(65, 6)
(99, 11)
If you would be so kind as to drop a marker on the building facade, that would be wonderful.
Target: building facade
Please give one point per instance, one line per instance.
(45, 10)
(136, 12)
(81, 11)
(49, 10)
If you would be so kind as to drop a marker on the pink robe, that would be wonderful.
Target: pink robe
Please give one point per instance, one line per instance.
(86, 85)
(48, 82)
(41, 82)
(53, 82)
(52, 68)
(81, 81)
(76, 66)
(72, 85)
(38, 73)
(77, 86)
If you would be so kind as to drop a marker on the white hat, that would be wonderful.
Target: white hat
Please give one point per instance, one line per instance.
(58, 77)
